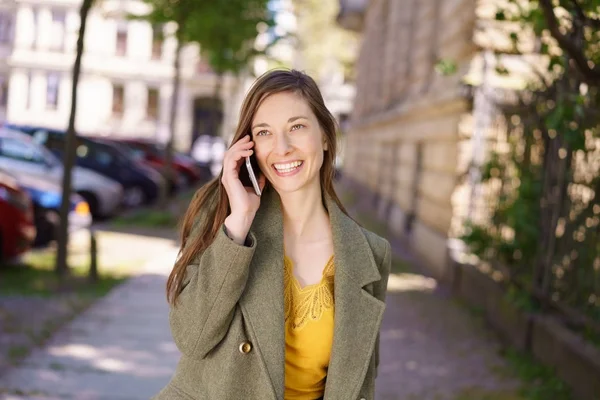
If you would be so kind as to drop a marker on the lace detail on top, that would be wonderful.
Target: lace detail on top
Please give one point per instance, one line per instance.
(303, 304)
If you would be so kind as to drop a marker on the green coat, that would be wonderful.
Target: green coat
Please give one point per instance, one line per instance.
(229, 320)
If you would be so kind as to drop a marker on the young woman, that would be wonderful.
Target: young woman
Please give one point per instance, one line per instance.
(278, 296)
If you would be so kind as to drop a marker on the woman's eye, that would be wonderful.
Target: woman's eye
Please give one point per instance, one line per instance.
(297, 126)
(262, 133)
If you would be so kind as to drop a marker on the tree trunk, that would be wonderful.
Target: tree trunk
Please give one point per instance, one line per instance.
(63, 233)
(216, 113)
(170, 173)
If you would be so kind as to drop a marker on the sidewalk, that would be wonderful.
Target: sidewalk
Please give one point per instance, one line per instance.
(119, 349)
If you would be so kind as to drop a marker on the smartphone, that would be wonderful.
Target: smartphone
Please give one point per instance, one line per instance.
(248, 176)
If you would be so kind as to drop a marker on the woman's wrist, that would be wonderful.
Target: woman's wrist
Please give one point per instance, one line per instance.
(238, 226)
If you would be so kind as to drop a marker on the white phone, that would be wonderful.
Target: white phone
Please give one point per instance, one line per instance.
(252, 177)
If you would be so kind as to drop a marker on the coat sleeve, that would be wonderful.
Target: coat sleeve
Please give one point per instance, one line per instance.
(212, 288)
(380, 290)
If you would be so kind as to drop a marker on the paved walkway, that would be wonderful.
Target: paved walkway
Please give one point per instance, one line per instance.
(121, 348)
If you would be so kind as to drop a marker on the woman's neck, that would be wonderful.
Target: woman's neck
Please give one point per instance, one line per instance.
(304, 215)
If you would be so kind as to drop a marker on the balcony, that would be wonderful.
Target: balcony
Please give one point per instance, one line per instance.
(352, 14)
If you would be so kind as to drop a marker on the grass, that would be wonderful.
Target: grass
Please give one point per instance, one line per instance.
(541, 382)
(36, 277)
(148, 218)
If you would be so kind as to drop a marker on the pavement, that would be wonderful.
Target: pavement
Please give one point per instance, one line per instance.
(121, 347)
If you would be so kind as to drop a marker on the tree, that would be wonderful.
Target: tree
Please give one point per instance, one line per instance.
(61, 266)
(321, 41)
(225, 30)
(546, 180)
(227, 40)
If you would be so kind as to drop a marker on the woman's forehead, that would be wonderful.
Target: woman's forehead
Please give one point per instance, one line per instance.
(281, 106)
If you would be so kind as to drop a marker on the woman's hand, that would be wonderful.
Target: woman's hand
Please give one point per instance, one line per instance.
(242, 200)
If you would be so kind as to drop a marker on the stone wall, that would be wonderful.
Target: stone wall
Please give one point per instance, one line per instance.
(405, 135)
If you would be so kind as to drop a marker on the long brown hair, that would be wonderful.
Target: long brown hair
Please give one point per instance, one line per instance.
(210, 205)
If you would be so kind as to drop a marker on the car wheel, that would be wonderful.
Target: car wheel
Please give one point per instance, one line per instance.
(134, 196)
(47, 222)
(92, 201)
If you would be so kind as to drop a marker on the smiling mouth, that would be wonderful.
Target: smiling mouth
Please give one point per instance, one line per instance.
(285, 168)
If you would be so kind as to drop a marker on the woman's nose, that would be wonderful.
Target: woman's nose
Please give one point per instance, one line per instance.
(282, 144)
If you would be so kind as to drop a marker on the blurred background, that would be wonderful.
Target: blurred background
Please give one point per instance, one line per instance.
(469, 134)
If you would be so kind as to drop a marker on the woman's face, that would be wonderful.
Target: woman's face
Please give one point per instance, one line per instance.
(288, 142)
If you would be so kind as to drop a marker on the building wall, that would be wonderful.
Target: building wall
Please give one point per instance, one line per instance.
(33, 58)
(405, 140)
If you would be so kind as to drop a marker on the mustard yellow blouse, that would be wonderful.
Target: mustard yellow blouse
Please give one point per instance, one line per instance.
(308, 333)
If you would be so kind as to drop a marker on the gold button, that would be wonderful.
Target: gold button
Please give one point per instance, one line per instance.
(245, 347)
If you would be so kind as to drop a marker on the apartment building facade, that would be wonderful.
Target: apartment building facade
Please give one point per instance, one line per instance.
(127, 69)
(409, 139)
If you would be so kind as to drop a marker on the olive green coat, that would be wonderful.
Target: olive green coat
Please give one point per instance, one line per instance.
(233, 296)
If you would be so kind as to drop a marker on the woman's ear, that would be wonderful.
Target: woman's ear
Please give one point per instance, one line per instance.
(325, 147)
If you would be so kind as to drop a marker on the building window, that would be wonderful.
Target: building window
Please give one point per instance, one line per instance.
(57, 33)
(121, 39)
(3, 92)
(34, 28)
(157, 42)
(118, 100)
(52, 86)
(152, 111)
(5, 27)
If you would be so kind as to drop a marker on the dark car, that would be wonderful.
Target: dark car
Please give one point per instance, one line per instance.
(175, 181)
(17, 231)
(154, 154)
(141, 184)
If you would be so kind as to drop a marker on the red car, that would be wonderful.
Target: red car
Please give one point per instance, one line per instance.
(17, 229)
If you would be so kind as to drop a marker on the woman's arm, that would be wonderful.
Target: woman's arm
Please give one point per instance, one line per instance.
(212, 288)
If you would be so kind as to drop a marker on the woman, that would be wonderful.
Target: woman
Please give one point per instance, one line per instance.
(253, 306)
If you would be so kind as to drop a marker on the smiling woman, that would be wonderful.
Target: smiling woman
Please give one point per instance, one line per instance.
(254, 284)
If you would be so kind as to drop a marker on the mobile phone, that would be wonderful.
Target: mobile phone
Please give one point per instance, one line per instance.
(252, 176)
(248, 176)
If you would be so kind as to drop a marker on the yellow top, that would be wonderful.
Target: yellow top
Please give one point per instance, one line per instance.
(308, 333)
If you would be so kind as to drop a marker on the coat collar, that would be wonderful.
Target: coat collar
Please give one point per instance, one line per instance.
(357, 314)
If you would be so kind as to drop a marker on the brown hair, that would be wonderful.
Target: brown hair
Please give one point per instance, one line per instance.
(210, 205)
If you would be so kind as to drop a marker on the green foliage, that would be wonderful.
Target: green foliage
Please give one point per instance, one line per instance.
(543, 226)
(541, 382)
(225, 29)
(446, 67)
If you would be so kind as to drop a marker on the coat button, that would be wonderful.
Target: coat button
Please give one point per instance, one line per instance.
(245, 347)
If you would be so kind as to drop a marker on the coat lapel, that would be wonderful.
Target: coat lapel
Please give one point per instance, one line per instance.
(358, 314)
(262, 302)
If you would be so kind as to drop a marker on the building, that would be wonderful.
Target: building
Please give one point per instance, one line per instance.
(409, 141)
(338, 92)
(127, 69)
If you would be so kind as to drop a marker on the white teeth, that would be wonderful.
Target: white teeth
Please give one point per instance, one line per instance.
(288, 167)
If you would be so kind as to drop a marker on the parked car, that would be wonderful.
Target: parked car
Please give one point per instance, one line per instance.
(174, 183)
(141, 184)
(17, 229)
(154, 154)
(19, 152)
(46, 197)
